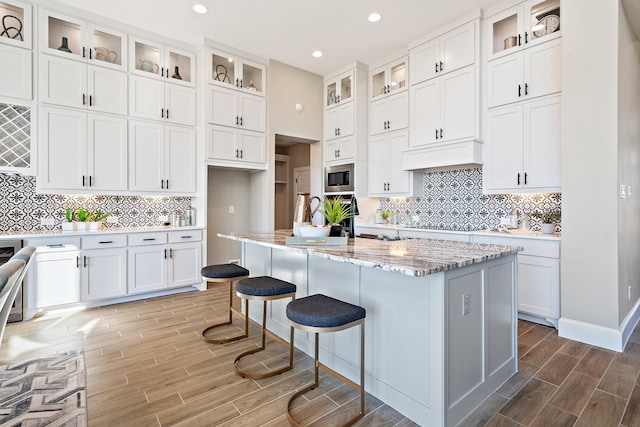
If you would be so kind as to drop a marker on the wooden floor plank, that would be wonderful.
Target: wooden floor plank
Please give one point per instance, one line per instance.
(603, 409)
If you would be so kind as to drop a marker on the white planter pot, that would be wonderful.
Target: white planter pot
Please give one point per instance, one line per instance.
(94, 225)
(80, 225)
(548, 228)
(68, 226)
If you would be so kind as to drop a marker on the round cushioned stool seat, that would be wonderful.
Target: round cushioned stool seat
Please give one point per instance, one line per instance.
(321, 311)
(264, 286)
(223, 271)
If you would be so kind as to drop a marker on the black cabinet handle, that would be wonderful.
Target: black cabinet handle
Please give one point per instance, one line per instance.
(148, 239)
(90, 100)
(83, 180)
(236, 82)
(441, 66)
(526, 88)
(335, 131)
(338, 98)
(518, 178)
(436, 67)
(237, 120)
(241, 153)
(56, 245)
(105, 242)
(436, 133)
(84, 99)
(167, 184)
(84, 262)
(440, 133)
(162, 72)
(525, 178)
(240, 82)
(90, 180)
(186, 237)
(240, 120)
(526, 37)
(83, 53)
(162, 184)
(237, 151)
(165, 254)
(77, 261)
(388, 124)
(170, 253)
(162, 113)
(519, 40)
(338, 153)
(519, 91)
(90, 54)
(385, 125)
(167, 113)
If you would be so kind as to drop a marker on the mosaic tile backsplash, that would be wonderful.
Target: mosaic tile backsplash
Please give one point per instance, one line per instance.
(21, 208)
(454, 201)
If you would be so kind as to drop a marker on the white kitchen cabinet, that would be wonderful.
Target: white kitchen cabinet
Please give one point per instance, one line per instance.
(522, 148)
(76, 39)
(74, 84)
(229, 107)
(525, 75)
(445, 109)
(231, 71)
(18, 24)
(386, 177)
(240, 147)
(339, 122)
(147, 268)
(339, 89)
(340, 150)
(524, 25)
(157, 61)
(538, 274)
(156, 100)
(82, 151)
(104, 267)
(389, 79)
(451, 51)
(15, 79)
(389, 114)
(162, 158)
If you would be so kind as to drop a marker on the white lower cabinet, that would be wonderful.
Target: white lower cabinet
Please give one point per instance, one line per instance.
(104, 267)
(55, 273)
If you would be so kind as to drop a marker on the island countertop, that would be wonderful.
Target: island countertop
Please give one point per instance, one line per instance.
(411, 257)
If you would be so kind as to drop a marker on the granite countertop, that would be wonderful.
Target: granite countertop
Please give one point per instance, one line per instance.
(9, 235)
(503, 232)
(414, 257)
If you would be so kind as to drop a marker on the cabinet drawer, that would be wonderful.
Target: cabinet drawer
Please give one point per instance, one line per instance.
(106, 241)
(53, 244)
(542, 248)
(185, 236)
(144, 239)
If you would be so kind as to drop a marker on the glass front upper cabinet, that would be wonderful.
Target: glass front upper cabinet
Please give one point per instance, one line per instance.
(389, 79)
(16, 24)
(77, 39)
(151, 59)
(339, 90)
(522, 26)
(231, 71)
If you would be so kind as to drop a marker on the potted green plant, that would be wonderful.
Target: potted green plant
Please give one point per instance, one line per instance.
(335, 211)
(83, 216)
(385, 215)
(548, 220)
(96, 218)
(69, 224)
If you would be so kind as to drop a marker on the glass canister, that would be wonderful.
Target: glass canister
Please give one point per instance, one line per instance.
(191, 216)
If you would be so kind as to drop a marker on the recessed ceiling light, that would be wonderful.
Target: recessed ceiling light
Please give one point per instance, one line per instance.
(316, 54)
(374, 17)
(199, 8)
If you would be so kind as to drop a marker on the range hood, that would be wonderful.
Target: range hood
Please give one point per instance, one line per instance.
(462, 153)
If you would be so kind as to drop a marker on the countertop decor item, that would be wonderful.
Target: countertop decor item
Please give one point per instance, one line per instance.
(65, 45)
(335, 211)
(176, 75)
(548, 220)
(11, 31)
(106, 55)
(222, 74)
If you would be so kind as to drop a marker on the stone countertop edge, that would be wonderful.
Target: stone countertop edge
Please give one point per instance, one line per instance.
(414, 257)
(12, 235)
(485, 232)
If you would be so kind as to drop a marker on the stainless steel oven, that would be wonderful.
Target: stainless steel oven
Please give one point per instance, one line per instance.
(9, 248)
(339, 178)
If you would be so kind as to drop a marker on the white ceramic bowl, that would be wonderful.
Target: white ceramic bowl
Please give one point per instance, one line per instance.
(314, 231)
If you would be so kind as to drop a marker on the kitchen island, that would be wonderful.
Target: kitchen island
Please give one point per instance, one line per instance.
(441, 315)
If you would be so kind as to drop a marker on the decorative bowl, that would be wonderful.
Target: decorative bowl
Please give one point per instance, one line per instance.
(315, 230)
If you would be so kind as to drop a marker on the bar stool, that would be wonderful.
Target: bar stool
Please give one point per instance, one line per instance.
(226, 273)
(265, 288)
(320, 313)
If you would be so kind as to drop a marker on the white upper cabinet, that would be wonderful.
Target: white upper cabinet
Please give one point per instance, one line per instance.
(339, 90)
(339, 122)
(155, 60)
(389, 79)
(386, 176)
(229, 107)
(15, 78)
(449, 52)
(521, 26)
(231, 71)
(73, 38)
(235, 147)
(155, 100)
(389, 114)
(17, 24)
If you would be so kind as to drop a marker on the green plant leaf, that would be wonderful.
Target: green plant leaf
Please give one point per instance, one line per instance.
(335, 211)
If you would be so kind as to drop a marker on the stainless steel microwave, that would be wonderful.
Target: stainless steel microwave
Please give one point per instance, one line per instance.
(339, 178)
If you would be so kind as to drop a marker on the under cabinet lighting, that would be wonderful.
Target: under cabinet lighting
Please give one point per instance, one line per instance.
(316, 54)
(199, 8)
(374, 17)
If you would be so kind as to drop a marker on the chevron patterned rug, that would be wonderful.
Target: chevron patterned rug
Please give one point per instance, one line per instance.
(44, 391)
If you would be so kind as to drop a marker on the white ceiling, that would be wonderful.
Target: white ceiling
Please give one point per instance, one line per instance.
(289, 30)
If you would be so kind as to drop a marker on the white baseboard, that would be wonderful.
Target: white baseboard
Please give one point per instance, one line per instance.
(610, 338)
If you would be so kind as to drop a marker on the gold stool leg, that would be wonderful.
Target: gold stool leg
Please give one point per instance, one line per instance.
(231, 311)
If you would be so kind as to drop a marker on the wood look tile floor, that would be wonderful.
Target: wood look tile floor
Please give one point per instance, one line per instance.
(146, 365)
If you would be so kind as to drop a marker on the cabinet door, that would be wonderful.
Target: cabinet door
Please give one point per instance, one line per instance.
(223, 69)
(15, 79)
(57, 278)
(253, 146)
(146, 98)
(19, 25)
(504, 32)
(378, 165)
(458, 48)
(180, 159)
(425, 112)
(104, 273)
(378, 116)
(222, 143)
(146, 58)
(106, 152)
(146, 156)
(399, 180)
(542, 143)
(458, 113)
(425, 61)
(252, 112)
(63, 150)
(180, 105)
(347, 119)
(542, 69)
(222, 106)
(398, 111)
(63, 82)
(505, 80)
(539, 286)
(331, 124)
(346, 148)
(184, 264)
(62, 35)
(107, 90)
(253, 77)
(503, 149)
(147, 268)
(179, 67)
(107, 47)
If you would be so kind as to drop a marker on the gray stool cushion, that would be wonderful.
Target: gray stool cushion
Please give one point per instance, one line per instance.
(223, 271)
(321, 311)
(264, 286)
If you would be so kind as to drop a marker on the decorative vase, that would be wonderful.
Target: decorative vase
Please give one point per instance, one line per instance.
(176, 75)
(94, 225)
(67, 226)
(65, 45)
(548, 228)
(81, 225)
(336, 231)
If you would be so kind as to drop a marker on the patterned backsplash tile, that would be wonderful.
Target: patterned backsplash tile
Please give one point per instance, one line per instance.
(454, 201)
(21, 208)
